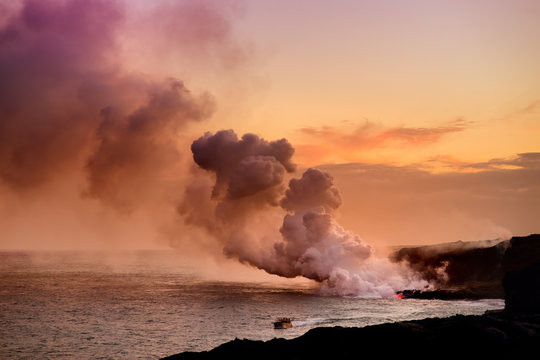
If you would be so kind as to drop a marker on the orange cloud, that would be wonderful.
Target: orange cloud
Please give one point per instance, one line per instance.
(530, 108)
(332, 144)
(407, 204)
(527, 161)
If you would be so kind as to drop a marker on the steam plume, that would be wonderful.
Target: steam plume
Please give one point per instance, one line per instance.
(243, 167)
(134, 149)
(50, 59)
(249, 174)
(68, 106)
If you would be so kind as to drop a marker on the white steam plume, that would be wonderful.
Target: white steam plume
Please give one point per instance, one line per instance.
(249, 197)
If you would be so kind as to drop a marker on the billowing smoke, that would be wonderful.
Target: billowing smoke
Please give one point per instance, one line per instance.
(136, 148)
(68, 106)
(313, 242)
(243, 167)
(55, 72)
(315, 188)
(248, 199)
(95, 119)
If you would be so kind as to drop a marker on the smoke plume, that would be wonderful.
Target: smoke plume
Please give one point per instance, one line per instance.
(244, 207)
(243, 167)
(96, 102)
(51, 56)
(67, 106)
(134, 149)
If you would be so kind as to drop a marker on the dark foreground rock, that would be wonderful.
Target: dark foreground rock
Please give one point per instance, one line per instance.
(495, 335)
(441, 294)
(522, 288)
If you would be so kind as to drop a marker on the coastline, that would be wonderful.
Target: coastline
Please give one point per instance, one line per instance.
(495, 334)
(514, 331)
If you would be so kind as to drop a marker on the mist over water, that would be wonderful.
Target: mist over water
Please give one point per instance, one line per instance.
(97, 305)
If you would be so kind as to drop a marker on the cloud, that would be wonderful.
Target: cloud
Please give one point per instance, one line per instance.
(529, 161)
(397, 205)
(69, 106)
(83, 113)
(50, 53)
(327, 143)
(532, 108)
(243, 166)
(314, 245)
(135, 149)
(370, 135)
(315, 188)
(167, 31)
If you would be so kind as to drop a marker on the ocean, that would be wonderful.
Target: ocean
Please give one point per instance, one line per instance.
(93, 306)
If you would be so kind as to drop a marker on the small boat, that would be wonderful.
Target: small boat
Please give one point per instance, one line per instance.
(282, 323)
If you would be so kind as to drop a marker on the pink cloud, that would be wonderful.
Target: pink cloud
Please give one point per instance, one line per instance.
(370, 135)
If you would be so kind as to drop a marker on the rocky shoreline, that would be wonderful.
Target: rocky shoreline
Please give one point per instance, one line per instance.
(468, 270)
(512, 332)
(496, 335)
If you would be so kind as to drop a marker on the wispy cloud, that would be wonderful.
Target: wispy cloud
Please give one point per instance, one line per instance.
(370, 134)
(526, 161)
(530, 109)
(344, 143)
(407, 204)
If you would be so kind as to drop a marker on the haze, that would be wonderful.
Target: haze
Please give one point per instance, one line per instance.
(426, 114)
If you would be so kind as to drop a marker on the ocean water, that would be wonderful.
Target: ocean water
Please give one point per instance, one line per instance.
(66, 305)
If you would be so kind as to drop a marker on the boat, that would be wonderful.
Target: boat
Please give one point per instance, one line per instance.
(282, 323)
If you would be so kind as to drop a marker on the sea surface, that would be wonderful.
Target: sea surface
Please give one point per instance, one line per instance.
(69, 305)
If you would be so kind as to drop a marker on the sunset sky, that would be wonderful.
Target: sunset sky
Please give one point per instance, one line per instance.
(426, 113)
(396, 81)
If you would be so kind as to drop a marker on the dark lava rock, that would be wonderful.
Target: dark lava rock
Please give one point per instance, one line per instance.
(495, 335)
(458, 265)
(521, 252)
(440, 294)
(522, 289)
(468, 270)
(521, 281)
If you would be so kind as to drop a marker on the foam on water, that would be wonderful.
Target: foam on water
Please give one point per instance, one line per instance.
(57, 305)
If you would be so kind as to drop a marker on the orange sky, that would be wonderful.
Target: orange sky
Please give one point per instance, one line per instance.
(417, 65)
(420, 95)
(420, 65)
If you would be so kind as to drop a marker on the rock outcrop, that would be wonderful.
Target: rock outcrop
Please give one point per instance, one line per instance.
(470, 270)
(522, 289)
(496, 335)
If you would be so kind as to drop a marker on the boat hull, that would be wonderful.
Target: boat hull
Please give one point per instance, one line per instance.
(283, 323)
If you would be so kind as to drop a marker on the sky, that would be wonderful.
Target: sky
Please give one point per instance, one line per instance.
(426, 115)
